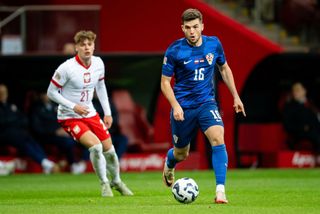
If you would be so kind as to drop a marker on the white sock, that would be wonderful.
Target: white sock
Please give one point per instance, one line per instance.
(47, 165)
(220, 188)
(98, 162)
(113, 166)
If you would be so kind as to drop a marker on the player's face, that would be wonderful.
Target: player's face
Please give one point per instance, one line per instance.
(85, 49)
(192, 31)
(299, 92)
(3, 93)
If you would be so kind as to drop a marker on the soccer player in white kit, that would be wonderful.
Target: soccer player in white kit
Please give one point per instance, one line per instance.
(72, 87)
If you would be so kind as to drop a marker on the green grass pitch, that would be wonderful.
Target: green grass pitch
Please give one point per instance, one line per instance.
(249, 191)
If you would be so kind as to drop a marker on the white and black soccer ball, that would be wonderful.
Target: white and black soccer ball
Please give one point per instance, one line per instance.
(185, 190)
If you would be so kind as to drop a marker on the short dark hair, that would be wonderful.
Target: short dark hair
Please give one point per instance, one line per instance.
(191, 14)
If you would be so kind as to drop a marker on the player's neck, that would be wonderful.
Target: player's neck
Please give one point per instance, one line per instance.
(85, 62)
(197, 43)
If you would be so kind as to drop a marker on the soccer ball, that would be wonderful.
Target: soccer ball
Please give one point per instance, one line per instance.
(185, 190)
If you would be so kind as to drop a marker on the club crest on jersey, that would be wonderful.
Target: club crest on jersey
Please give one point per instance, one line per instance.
(86, 77)
(209, 58)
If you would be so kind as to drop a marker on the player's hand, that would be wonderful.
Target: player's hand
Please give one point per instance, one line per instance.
(108, 121)
(238, 106)
(178, 113)
(81, 110)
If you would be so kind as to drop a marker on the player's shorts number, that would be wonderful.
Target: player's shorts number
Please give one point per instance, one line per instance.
(216, 115)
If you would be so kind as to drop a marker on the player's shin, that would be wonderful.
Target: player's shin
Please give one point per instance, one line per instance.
(98, 162)
(113, 166)
(220, 163)
(171, 161)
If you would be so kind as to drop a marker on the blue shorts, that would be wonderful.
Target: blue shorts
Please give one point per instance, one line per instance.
(203, 117)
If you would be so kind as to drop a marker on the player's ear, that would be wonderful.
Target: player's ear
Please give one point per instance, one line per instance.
(202, 27)
(182, 28)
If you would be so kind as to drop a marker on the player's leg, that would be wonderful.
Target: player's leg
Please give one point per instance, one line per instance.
(109, 153)
(212, 125)
(219, 160)
(174, 156)
(82, 133)
(113, 168)
(90, 140)
(113, 165)
(182, 133)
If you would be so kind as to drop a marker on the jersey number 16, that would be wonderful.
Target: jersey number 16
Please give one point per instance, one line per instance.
(198, 74)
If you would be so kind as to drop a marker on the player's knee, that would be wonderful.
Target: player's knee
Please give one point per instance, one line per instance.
(217, 140)
(107, 144)
(96, 149)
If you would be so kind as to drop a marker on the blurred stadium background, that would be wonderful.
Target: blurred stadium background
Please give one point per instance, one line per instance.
(266, 46)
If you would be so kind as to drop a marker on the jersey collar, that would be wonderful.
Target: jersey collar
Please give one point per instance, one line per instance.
(204, 39)
(80, 62)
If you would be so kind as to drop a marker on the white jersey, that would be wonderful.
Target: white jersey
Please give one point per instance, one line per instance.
(77, 83)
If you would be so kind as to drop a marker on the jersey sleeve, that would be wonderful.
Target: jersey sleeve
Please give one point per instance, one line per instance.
(58, 80)
(55, 95)
(102, 95)
(168, 64)
(101, 91)
(102, 73)
(60, 76)
(221, 59)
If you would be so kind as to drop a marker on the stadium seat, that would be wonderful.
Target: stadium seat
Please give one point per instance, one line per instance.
(266, 145)
(258, 140)
(134, 124)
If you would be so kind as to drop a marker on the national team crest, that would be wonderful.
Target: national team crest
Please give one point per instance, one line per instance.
(209, 58)
(76, 129)
(86, 77)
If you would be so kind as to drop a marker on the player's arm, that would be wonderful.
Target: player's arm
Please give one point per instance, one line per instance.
(102, 94)
(54, 95)
(227, 77)
(168, 93)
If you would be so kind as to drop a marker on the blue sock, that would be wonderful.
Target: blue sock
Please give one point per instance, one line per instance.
(171, 161)
(220, 163)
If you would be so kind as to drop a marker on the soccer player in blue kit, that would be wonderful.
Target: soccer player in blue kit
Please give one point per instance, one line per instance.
(191, 60)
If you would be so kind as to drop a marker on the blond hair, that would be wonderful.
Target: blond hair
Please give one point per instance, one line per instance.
(83, 35)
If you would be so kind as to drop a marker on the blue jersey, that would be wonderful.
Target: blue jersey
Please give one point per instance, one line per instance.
(193, 69)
